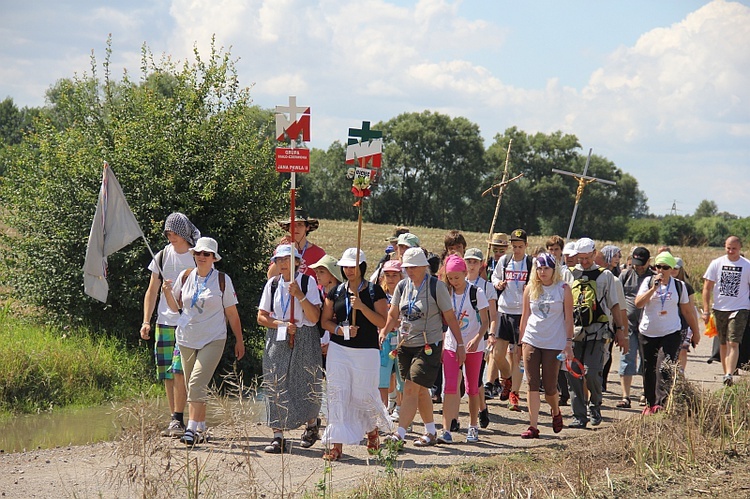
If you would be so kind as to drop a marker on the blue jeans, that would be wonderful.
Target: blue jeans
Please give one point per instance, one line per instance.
(628, 362)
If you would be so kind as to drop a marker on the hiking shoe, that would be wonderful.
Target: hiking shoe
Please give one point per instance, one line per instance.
(310, 435)
(578, 423)
(507, 386)
(426, 440)
(174, 430)
(472, 436)
(531, 432)
(484, 417)
(557, 422)
(595, 415)
(395, 441)
(277, 445)
(728, 381)
(513, 402)
(455, 425)
(445, 438)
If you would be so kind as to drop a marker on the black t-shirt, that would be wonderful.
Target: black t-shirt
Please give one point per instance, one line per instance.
(367, 335)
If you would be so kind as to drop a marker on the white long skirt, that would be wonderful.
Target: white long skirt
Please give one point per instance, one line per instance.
(354, 405)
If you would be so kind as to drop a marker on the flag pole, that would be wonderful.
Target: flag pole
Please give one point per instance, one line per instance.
(292, 243)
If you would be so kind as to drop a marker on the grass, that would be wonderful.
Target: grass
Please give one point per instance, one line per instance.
(43, 367)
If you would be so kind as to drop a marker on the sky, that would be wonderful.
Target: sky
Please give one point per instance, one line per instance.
(660, 88)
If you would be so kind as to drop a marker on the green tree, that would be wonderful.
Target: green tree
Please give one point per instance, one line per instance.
(712, 231)
(705, 209)
(677, 230)
(325, 192)
(643, 231)
(183, 139)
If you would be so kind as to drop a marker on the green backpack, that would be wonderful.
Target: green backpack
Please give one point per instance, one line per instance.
(587, 308)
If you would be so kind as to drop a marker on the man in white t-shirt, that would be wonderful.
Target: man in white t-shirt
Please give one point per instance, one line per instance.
(167, 264)
(731, 302)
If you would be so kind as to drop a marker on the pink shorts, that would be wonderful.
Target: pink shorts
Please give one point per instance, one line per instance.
(471, 372)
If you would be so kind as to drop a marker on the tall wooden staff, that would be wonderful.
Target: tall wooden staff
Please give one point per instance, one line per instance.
(364, 148)
(501, 187)
(292, 160)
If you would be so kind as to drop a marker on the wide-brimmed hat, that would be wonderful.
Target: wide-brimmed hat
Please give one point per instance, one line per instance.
(284, 250)
(349, 258)
(414, 257)
(397, 232)
(207, 244)
(327, 262)
(408, 239)
(499, 239)
(300, 215)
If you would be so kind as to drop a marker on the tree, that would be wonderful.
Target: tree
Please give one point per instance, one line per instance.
(705, 209)
(677, 230)
(180, 140)
(325, 192)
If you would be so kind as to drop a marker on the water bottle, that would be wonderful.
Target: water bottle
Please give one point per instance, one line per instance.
(561, 356)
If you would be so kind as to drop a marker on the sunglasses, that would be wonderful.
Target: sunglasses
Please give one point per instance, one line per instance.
(663, 267)
(203, 253)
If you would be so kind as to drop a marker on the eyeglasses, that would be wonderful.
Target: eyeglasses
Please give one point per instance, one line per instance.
(203, 253)
(663, 267)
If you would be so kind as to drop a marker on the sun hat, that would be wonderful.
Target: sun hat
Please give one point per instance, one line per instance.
(455, 263)
(414, 257)
(545, 260)
(327, 262)
(641, 255)
(518, 235)
(207, 244)
(349, 258)
(473, 254)
(570, 249)
(499, 239)
(665, 258)
(585, 245)
(392, 266)
(300, 215)
(284, 250)
(408, 239)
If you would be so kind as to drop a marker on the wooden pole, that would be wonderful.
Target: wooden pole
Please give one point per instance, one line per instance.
(503, 183)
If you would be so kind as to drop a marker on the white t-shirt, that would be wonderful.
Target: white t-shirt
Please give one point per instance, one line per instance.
(204, 310)
(172, 264)
(280, 308)
(661, 315)
(510, 301)
(545, 327)
(467, 319)
(732, 290)
(489, 290)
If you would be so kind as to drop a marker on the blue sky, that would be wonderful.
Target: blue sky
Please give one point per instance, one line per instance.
(661, 88)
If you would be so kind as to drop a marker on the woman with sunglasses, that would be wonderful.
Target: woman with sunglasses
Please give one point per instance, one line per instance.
(207, 301)
(662, 298)
(545, 331)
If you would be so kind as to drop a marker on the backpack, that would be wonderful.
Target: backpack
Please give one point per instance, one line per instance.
(432, 285)
(503, 263)
(587, 308)
(304, 288)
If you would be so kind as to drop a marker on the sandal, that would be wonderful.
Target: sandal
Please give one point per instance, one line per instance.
(624, 403)
(333, 454)
(373, 442)
(426, 440)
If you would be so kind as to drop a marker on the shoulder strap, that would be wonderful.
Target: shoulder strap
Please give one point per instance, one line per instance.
(678, 284)
(371, 289)
(338, 291)
(503, 262)
(473, 297)
(186, 274)
(529, 264)
(433, 288)
(160, 263)
(274, 287)
(401, 286)
(305, 283)
(222, 282)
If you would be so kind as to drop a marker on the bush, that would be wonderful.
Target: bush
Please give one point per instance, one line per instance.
(180, 140)
(712, 231)
(677, 230)
(643, 231)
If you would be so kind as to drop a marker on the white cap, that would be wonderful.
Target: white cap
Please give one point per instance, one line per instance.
(349, 258)
(570, 249)
(585, 245)
(414, 257)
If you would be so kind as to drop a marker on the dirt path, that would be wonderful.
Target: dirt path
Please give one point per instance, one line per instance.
(233, 463)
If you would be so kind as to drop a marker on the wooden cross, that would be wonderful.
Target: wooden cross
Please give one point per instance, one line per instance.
(583, 181)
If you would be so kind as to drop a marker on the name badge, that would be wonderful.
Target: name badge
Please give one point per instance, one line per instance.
(345, 330)
(281, 332)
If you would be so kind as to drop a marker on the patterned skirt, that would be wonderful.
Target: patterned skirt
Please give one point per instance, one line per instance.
(292, 378)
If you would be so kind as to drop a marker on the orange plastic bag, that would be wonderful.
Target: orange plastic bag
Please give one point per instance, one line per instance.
(711, 327)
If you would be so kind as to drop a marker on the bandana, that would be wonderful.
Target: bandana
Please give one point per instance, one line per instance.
(183, 227)
(609, 252)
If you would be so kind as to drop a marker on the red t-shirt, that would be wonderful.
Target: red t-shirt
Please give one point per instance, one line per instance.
(311, 253)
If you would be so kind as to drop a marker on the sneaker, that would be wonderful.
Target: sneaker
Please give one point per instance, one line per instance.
(497, 388)
(395, 415)
(656, 408)
(393, 440)
(507, 386)
(557, 422)
(277, 445)
(578, 423)
(595, 415)
(445, 438)
(728, 381)
(473, 435)
(174, 430)
(310, 435)
(489, 391)
(426, 440)
(189, 438)
(513, 402)
(484, 417)
(531, 432)
(455, 425)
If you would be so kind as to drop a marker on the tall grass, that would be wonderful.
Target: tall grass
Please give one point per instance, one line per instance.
(43, 367)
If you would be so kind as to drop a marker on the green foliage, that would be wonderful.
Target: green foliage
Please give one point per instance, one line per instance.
(42, 368)
(326, 192)
(706, 209)
(712, 231)
(183, 139)
(643, 231)
(677, 230)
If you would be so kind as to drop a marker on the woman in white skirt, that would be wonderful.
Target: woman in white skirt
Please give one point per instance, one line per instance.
(353, 363)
